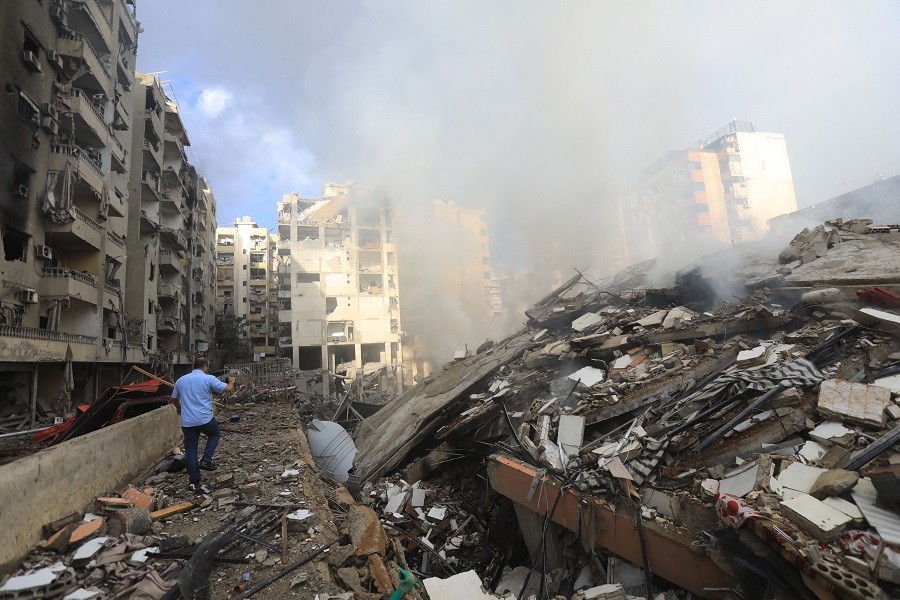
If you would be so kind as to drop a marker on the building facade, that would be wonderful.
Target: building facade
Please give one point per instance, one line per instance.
(245, 284)
(724, 189)
(72, 162)
(338, 290)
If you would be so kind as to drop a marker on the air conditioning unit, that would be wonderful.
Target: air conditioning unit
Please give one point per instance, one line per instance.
(31, 61)
(28, 296)
(21, 191)
(42, 251)
(50, 125)
(59, 16)
(50, 110)
(55, 59)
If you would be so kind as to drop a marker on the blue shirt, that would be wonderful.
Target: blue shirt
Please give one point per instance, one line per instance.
(195, 391)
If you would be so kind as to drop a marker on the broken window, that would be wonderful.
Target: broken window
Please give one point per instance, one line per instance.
(29, 111)
(310, 358)
(307, 278)
(15, 244)
(330, 304)
(152, 271)
(307, 233)
(21, 179)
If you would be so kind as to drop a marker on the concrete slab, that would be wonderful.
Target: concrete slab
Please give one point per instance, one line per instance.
(463, 585)
(586, 320)
(570, 435)
(800, 477)
(822, 521)
(857, 402)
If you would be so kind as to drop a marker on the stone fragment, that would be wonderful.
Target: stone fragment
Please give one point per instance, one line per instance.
(833, 483)
(338, 556)
(350, 577)
(366, 531)
(343, 497)
(380, 576)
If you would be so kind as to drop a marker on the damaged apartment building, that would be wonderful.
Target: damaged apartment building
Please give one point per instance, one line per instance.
(93, 171)
(720, 191)
(338, 293)
(246, 284)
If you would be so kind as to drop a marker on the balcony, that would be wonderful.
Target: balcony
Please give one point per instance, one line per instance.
(168, 291)
(285, 342)
(90, 122)
(78, 46)
(89, 169)
(166, 323)
(170, 262)
(285, 216)
(46, 345)
(153, 152)
(115, 239)
(59, 283)
(174, 236)
(82, 231)
(149, 221)
(82, 12)
(119, 155)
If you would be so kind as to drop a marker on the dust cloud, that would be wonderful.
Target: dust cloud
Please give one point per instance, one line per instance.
(540, 113)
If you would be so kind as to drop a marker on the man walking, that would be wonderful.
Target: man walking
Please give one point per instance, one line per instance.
(194, 392)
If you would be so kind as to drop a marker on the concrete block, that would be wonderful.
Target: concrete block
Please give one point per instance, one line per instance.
(138, 498)
(856, 402)
(45, 486)
(571, 434)
(821, 521)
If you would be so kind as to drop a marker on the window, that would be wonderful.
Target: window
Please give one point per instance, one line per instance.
(152, 271)
(244, 283)
(150, 342)
(21, 179)
(150, 307)
(15, 244)
(308, 278)
(29, 111)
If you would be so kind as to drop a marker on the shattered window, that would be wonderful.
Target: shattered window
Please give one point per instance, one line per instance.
(15, 244)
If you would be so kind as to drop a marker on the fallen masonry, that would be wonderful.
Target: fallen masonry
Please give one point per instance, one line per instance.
(719, 437)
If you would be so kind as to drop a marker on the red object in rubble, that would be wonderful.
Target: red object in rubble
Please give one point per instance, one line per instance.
(878, 296)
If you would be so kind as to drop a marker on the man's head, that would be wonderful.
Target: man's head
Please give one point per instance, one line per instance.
(201, 363)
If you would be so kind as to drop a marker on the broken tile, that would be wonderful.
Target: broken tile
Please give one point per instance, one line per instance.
(88, 549)
(800, 477)
(29, 581)
(395, 502)
(812, 451)
(857, 402)
(832, 432)
(588, 376)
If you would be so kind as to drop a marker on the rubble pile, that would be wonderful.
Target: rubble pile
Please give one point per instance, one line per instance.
(741, 446)
(731, 435)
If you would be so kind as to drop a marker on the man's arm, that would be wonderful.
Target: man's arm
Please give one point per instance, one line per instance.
(220, 387)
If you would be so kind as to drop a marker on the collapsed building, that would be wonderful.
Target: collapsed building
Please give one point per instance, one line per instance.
(731, 435)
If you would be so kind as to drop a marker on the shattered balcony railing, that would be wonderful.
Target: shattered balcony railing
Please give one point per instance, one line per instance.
(31, 333)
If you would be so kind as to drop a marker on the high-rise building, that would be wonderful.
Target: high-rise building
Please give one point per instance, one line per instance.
(723, 189)
(338, 293)
(245, 282)
(75, 240)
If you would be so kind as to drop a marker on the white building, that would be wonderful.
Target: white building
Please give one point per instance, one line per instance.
(338, 294)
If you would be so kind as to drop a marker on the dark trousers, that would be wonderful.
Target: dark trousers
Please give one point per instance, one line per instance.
(192, 442)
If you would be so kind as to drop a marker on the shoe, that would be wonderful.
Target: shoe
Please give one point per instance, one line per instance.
(207, 465)
(199, 488)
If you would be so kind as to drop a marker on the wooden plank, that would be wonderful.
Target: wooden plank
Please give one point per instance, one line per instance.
(173, 510)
